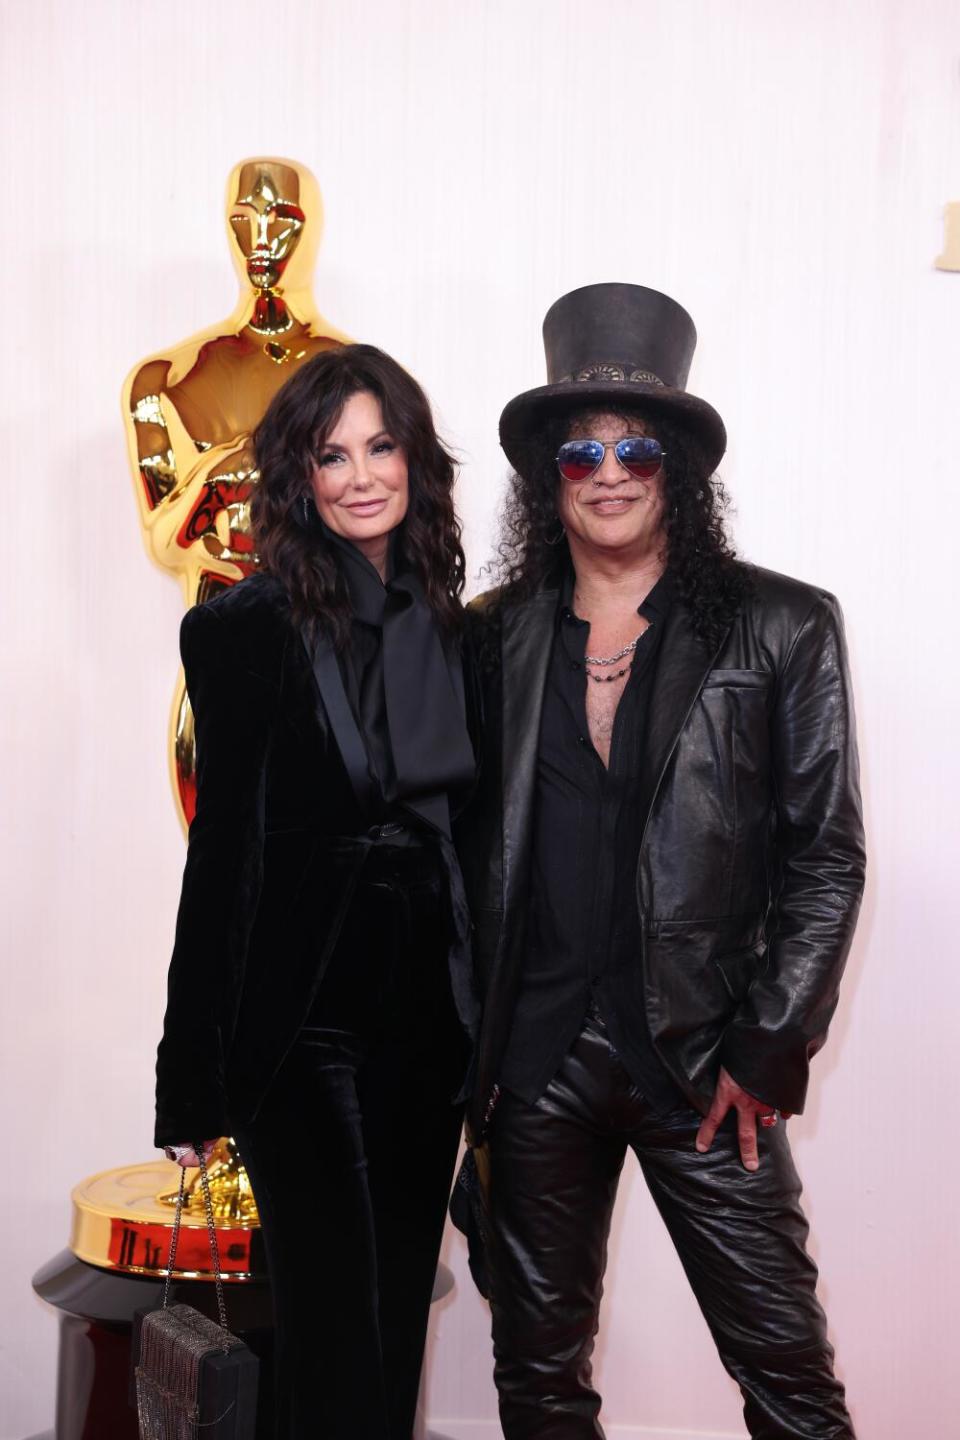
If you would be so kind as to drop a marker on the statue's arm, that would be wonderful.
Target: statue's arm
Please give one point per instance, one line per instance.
(178, 479)
(152, 451)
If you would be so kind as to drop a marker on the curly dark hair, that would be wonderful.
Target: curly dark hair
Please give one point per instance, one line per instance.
(292, 545)
(533, 548)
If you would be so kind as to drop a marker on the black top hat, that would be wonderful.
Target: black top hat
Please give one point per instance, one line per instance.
(622, 343)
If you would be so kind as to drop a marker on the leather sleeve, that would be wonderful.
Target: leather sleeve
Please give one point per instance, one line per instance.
(221, 882)
(819, 868)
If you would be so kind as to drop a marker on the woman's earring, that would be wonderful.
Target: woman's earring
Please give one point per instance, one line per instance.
(305, 507)
(559, 535)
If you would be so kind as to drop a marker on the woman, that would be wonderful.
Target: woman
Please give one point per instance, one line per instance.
(319, 994)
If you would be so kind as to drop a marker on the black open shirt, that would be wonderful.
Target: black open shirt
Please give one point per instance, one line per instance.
(583, 922)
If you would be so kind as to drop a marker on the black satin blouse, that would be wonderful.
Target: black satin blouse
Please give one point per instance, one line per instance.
(404, 682)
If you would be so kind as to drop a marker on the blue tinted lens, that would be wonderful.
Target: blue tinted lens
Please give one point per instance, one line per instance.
(642, 455)
(579, 458)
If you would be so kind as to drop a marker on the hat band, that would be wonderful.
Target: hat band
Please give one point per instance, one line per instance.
(609, 370)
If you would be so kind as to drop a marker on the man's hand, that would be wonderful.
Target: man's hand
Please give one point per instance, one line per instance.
(729, 1094)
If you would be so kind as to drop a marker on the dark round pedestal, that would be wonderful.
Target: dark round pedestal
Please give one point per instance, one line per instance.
(96, 1315)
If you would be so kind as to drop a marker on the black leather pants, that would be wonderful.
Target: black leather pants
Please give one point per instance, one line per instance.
(553, 1173)
(351, 1156)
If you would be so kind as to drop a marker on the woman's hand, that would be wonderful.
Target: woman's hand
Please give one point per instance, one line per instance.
(185, 1155)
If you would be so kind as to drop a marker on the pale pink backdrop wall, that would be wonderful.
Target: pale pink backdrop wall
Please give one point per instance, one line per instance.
(780, 168)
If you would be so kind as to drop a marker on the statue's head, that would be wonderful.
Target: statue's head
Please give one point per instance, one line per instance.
(275, 216)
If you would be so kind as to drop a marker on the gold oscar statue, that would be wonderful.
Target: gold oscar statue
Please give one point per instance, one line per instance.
(189, 415)
(190, 411)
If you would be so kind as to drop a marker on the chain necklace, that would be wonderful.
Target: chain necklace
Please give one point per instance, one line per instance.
(612, 660)
(608, 679)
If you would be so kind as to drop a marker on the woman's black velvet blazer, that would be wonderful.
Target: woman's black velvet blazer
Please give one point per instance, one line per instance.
(268, 874)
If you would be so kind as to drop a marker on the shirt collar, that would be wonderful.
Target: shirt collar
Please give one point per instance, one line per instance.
(660, 599)
(653, 608)
(367, 591)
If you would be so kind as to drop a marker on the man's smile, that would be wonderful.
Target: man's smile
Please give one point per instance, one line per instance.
(612, 504)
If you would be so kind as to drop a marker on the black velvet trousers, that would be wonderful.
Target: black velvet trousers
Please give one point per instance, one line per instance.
(551, 1185)
(351, 1157)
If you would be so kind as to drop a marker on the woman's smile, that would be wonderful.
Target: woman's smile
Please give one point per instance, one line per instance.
(367, 507)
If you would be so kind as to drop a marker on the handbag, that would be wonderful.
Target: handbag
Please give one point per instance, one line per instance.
(193, 1378)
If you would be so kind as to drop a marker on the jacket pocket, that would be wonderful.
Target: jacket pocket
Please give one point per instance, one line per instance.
(739, 679)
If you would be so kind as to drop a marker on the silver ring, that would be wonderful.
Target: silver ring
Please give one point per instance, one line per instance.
(176, 1152)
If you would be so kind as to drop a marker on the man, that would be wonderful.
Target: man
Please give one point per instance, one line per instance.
(665, 859)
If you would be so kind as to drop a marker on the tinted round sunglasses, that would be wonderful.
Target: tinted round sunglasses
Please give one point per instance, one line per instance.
(640, 455)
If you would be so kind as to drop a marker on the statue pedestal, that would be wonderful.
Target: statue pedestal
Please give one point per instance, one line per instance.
(119, 1247)
(115, 1266)
(96, 1315)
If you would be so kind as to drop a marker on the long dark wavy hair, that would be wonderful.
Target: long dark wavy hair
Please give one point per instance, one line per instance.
(288, 535)
(533, 547)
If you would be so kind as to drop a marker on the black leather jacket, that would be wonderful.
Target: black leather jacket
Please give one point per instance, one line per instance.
(751, 865)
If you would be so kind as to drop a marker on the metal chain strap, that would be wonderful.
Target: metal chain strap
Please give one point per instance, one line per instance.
(175, 1236)
(211, 1234)
(214, 1246)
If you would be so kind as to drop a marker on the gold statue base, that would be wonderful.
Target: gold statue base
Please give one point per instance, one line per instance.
(122, 1220)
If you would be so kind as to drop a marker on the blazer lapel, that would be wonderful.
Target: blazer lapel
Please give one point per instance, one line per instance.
(326, 673)
(526, 646)
(683, 664)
